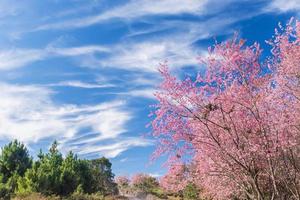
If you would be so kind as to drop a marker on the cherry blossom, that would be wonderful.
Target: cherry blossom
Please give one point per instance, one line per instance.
(236, 126)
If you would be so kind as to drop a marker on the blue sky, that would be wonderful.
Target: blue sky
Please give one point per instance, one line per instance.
(83, 72)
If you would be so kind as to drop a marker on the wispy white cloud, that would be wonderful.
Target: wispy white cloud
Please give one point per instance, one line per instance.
(146, 56)
(133, 9)
(140, 55)
(29, 114)
(145, 92)
(27, 118)
(284, 5)
(112, 150)
(75, 51)
(178, 49)
(140, 93)
(143, 81)
(80, 84)
(155, 175)
(164, 7)
(124, 160)
(16, 57)
(8, 9)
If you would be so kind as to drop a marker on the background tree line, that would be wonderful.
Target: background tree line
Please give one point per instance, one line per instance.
(144, 186)
(52, 174)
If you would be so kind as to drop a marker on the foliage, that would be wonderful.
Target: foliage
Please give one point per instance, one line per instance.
(45, 175)
(144, 182)
(140, 184)
(14, 159)
(52, 174)
(4, 191)
(176, 179)
(236, 127)
(191, 192)
(122, 181)
(103, 178)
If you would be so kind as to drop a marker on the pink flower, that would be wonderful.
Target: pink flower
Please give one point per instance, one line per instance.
(239, 130)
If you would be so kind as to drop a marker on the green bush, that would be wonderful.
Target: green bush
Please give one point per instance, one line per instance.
(158, 192)
(4, 191)
(190, 192)
(145, 183)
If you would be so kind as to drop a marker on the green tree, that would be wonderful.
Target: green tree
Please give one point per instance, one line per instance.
(14, 160)
(69, 178)
(45, 175)
(51, 174)
(102, 176)
(85, 174)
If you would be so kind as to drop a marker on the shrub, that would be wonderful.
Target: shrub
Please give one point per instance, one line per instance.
(4, 191)
(145, 183)
(191, 192)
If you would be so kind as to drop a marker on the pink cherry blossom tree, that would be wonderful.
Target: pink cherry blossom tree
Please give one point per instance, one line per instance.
(176, 179)
(138, 178)
(237, 125)
(286, 64)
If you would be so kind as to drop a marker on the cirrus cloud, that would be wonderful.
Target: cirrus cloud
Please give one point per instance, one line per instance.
(29, 114)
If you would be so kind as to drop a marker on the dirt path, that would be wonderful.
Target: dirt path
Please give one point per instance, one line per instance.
(133, 198)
